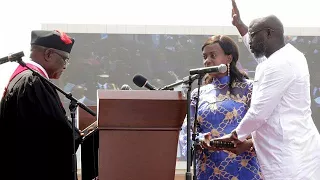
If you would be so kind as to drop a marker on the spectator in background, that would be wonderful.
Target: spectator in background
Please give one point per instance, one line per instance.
(79, 92)
(125, 87)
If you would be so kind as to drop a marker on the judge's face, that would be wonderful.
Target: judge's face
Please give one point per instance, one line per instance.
(213, 55)
(56, 62)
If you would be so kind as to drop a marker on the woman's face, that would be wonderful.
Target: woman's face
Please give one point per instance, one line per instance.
(213, 55)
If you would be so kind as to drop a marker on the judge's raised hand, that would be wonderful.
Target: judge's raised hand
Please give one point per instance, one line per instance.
(236, 20)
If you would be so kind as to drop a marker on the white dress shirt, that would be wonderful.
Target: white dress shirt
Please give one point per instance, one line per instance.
(7, 69)
(285, 137)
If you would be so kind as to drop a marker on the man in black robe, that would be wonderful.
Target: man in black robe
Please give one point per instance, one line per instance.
(37, 138)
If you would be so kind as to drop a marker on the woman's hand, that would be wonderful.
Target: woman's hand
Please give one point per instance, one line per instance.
(205, 143)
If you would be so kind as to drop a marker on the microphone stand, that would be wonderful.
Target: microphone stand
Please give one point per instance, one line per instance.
(190, 149)
(74, 103)
(195, 128)
(186, 80)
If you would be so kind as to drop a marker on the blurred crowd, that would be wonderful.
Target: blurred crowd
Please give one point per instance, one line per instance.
(107, 61)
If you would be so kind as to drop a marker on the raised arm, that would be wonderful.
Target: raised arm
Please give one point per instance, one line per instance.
(242, 28)
(236, 20)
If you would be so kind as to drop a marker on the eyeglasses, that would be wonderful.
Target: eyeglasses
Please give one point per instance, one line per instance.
(255, 32)
(64, 58)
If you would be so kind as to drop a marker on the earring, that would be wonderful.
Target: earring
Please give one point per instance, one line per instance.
(228, 69)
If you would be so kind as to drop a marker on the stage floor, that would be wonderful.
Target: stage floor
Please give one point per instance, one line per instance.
(180, 175)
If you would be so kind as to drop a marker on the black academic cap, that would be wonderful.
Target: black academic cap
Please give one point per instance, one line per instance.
(52, 39)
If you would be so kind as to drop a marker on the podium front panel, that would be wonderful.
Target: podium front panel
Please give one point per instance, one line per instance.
(137, 155)
(138, 134)
(141, 109)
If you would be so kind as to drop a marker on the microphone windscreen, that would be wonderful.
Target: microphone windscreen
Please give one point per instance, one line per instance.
(222, 68)
(139, 80)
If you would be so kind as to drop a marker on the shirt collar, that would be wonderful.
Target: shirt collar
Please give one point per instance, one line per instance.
(221, 82)
(38, 66)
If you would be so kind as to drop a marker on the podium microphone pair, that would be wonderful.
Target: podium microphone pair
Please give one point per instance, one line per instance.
(141, 81)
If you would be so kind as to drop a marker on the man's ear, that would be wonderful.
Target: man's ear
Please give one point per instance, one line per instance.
(47, 54)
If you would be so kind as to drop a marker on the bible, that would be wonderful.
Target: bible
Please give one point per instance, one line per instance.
(88, 130)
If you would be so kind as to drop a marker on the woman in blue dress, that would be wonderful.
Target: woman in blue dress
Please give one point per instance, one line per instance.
(222, 105)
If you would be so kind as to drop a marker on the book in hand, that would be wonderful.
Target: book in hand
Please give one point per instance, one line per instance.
(88, 130)
(215, 143)
(221, 144)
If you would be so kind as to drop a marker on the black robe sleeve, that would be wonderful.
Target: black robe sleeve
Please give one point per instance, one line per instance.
(42, 142)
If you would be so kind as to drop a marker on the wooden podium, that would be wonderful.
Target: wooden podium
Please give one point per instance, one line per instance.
(138, 134)
(89, 146)
(86, 119)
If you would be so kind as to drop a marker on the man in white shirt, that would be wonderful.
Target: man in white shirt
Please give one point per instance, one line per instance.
(285, 137)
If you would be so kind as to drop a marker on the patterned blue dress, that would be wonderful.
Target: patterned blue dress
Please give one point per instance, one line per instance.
(220, 111)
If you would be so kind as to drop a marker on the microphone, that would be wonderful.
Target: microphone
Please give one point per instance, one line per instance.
(12, 57)
(222, 68)
(125, 87)
(141, 81)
